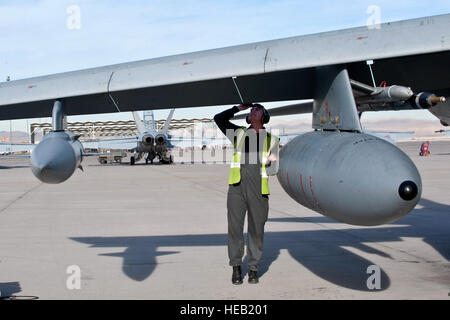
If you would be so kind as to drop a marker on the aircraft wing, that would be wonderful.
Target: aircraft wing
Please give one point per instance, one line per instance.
(125, 143)
(15, 147)
(197, 142)
(447, 132)
(296, 108)
(412, 53)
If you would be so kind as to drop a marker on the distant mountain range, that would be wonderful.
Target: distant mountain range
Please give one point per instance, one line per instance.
(17, 136)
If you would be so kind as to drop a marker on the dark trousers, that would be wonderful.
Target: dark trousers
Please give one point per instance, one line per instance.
(246, 197)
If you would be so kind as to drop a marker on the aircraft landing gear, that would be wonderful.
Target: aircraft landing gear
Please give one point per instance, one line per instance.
(150, 157)
(132, 160)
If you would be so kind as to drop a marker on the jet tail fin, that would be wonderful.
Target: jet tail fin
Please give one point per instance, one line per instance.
(167, 123)
(149, 121)
(139, 124)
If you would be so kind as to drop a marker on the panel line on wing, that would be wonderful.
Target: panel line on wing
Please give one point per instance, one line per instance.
(265, 59)
(109, 93)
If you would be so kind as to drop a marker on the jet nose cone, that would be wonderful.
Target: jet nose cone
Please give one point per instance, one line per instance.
(408, 190)
(53, 160)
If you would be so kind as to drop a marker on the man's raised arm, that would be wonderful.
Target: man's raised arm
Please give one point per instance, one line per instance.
(223, 119)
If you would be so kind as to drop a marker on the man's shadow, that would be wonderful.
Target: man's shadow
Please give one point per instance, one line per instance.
(8, 289)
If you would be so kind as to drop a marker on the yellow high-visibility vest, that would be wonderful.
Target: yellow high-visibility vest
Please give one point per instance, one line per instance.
(235, 168)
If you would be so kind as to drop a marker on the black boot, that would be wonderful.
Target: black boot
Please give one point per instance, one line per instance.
(253, 277)
(237, 275)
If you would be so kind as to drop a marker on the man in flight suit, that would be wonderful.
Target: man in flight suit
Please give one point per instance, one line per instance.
(254, 151)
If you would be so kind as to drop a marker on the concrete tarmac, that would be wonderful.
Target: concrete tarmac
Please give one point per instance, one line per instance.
(160, 232)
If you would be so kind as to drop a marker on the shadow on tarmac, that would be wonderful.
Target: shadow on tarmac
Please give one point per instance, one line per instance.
(7, 289)
(13, 167)
(323, 252)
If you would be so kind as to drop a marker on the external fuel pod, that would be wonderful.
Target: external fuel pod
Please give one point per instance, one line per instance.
(354, 178)
(56, 157)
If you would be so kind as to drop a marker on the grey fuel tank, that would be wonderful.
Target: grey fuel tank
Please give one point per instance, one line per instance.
(354, 178)
(56, 157)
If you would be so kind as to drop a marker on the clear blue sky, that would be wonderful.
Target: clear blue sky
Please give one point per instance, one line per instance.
(35, 38)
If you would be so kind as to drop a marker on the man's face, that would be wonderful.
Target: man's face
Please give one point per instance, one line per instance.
(256, 114)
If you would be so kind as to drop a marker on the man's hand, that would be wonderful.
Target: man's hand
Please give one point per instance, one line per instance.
(272, 157)
(244, 106)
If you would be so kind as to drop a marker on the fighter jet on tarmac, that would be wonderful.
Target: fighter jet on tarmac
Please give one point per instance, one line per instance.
(336, 170)
(151, 141)
(148, 141)
(447, 132)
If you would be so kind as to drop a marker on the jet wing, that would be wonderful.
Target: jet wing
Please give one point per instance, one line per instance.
(296, 108)
(16, 147)
(413, 53)
(125, 143)
(197, 142)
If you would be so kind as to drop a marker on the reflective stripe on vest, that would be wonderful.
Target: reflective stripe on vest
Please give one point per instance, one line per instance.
(235, 168)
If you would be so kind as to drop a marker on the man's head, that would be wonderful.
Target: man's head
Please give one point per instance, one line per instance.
(258, 114)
